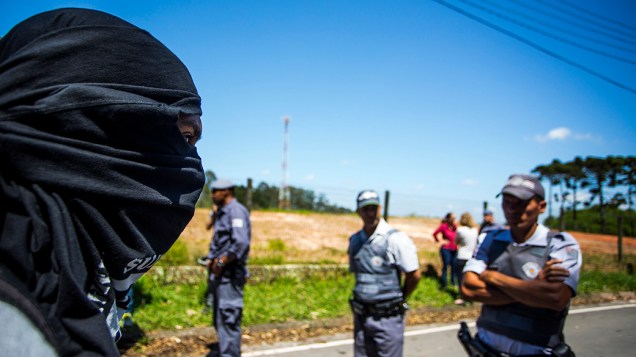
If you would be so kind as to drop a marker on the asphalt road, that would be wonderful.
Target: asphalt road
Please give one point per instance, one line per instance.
(607, 330)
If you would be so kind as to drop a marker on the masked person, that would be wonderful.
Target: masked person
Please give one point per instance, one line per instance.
(525, 276)
(227, 261)
(99, 175)
(378, 256)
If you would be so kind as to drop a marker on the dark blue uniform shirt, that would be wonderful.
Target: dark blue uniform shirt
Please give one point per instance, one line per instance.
(232, 232)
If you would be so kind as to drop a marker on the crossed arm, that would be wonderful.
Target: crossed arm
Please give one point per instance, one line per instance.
(494, 288)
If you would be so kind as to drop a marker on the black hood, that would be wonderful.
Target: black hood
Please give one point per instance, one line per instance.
(97, 181)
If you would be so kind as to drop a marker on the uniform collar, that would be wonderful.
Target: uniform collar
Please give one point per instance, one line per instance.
(537, 238)
(382, 228)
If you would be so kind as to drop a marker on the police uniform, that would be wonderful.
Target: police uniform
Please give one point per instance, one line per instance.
(377, 296)
(519, 329)
(232, 235)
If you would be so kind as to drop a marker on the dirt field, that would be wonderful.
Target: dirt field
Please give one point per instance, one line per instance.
(314, 237)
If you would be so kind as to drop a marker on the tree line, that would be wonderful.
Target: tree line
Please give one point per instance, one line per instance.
(265, 197)
(601, 185)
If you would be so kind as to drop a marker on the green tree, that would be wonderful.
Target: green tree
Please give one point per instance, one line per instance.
(601, 173)
(628, 179)
(574, 179)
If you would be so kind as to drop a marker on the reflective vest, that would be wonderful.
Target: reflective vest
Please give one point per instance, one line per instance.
(536, 326)
(376, 278)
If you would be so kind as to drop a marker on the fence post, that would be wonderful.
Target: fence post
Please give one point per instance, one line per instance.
(386, 205)
(248, 195)
(620, 238)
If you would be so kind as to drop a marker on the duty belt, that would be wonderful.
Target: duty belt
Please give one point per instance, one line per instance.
(378, 309)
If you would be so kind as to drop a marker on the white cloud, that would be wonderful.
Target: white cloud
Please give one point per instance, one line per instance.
(559, 133)
(419, 186)
(562, 133)
(470, 182)
(345, 162)
(265, 172)
(310, 177)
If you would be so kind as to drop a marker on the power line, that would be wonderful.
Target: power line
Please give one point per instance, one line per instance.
(607, 19)
(536, 46)
(548, 34)
(568, 21)
(580, 18)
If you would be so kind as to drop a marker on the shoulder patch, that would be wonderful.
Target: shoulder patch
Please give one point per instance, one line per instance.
(237, 223)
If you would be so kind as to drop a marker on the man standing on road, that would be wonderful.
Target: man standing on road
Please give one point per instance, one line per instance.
(378, 254)
(525, 277)
(227, 261)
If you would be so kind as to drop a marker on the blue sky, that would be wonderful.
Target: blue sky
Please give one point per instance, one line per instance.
(407, 96)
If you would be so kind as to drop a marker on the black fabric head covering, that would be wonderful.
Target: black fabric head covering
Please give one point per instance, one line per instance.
(97, 181)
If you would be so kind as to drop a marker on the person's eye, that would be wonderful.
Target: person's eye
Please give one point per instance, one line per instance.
(190, 138)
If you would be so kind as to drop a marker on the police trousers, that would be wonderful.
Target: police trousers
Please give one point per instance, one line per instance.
(228, 313)
(378, 336)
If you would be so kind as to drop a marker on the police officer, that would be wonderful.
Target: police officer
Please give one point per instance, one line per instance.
(378, 255)
(525, 277)
(489, 222)
(487, 225)
(227, 262)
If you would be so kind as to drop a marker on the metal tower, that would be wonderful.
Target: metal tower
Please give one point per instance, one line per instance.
(284, 200)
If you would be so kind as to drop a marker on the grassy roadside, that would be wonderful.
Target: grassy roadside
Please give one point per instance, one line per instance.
(163, 306)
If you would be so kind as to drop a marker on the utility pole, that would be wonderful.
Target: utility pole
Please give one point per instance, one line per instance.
(284, 201)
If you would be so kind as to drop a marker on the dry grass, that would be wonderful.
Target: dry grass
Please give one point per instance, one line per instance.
(306, 237)
(318, 238)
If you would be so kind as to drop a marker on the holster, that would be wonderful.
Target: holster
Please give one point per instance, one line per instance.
(562, 350)
(472, 346)
(356, 307)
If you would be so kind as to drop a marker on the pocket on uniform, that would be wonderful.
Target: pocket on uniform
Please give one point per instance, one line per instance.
(231, 315)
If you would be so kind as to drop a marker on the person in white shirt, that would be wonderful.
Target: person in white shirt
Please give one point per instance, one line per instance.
(466, 240)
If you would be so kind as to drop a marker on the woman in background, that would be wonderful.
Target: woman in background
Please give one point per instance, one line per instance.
(466, 240)
(448, 250)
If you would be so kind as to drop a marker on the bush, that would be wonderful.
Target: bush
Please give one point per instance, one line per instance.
(277, 245)
(589, 221)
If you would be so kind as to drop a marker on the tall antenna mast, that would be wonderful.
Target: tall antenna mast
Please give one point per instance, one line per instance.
(284, 201)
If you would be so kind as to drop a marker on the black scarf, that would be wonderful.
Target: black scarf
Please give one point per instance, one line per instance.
(96, 181)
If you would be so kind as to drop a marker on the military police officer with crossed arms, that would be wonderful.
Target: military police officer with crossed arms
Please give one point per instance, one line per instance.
(525, 277)
(227, 261)
(379, 255)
